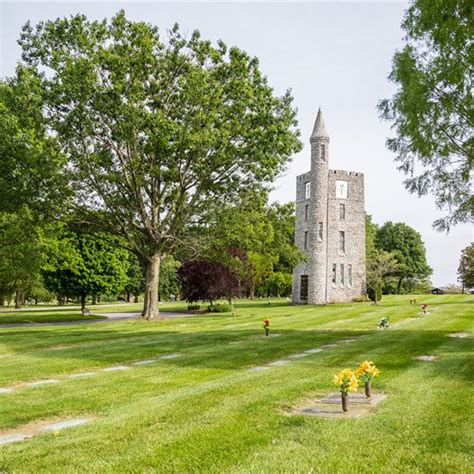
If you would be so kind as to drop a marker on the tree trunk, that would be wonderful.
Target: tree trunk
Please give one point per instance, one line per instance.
(94, 299)
(83, 302)
(152, 282)
(135, 298)
(128, 296)
(2, 301)
(17, 299)
(399, 286)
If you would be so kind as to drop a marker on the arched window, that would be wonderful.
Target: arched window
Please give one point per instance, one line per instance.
(323, 152)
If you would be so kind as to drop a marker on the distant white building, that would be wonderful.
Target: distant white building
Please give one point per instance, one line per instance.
(330, 228)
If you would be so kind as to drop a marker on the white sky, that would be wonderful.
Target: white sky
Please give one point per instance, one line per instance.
(335, 55)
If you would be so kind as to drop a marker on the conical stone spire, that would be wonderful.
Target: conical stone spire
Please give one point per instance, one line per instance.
(319, 130)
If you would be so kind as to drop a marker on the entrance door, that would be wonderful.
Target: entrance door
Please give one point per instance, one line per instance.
(304, 287)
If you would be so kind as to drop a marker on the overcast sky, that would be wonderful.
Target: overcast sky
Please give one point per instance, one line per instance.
(331, 55)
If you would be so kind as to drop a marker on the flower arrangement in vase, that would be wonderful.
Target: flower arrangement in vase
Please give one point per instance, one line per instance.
(347, 382)
(367, 371)
(384, 323)
(266, 326)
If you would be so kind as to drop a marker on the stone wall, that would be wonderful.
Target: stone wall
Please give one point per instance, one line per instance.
(353, 225)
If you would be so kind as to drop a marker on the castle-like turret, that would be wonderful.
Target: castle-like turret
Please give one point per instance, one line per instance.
(330, 228)
(317, 248)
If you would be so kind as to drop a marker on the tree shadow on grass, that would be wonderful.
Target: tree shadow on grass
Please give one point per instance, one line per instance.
(236, 349)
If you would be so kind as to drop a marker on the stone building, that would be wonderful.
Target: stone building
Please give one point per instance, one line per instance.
(330, 228)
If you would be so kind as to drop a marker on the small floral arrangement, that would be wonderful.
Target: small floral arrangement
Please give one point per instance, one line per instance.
(424, 307)
(367, 371)
(266, 326)
(346, 380)
(384, 323)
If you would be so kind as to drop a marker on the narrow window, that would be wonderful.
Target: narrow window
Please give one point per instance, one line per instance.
(307, 190)
(342, 241)
(349, 273)
(306, 211)
(342, 274)
(323, 152)
(304, 287)
(306, 240)
(342, 212)
(320, 231)
(334, 269)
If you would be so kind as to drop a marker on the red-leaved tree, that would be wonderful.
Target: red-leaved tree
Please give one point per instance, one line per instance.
(203, 280)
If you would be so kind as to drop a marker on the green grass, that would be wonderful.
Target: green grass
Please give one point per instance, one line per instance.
(44, 315)
(206, 412)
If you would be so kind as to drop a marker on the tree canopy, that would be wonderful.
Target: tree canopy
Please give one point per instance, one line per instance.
(158, 130)
(203, 280)
(87, 265)
(432, 109)
(466, 267)
(31, 164)
(408, 249)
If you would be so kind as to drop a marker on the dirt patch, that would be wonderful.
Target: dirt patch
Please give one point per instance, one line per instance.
(459, 335)
(44, 425)
(426, 358)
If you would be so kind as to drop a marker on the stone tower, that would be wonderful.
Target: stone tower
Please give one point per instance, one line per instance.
(330, 228)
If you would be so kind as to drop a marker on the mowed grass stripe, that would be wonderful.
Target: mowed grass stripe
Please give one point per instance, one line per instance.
(215, 415)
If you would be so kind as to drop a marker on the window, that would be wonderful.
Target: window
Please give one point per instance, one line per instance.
(349, 274)
(342, 241)
(306, 240)
(341, 189)
(307, 190)
(334, 269)
(320, 231)
(306, 211)
(304, 287)
(342, 212)
(342, 274)
(323, 152)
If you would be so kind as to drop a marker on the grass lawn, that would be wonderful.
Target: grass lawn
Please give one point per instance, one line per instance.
(205, 411)
(44, 315)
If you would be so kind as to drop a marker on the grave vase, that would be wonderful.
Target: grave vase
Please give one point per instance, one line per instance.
(368, 388)
(345, 402)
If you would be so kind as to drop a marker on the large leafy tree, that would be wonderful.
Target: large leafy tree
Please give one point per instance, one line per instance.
(432, 110)
(169, 282)
(158, 131)
(87, 265)
(381, 265)
(466, 268)
(203, 280)
(408, 249)
(135, 279)
(256, 240)
(31, 164)
(24, 247)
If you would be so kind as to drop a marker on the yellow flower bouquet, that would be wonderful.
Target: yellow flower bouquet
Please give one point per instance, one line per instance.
(367, 371)
(347, 382)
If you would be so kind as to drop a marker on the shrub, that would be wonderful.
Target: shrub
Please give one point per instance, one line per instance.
(220, 308)
(203, 280)
(359, 299)
(192, 307)
(371, 292)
